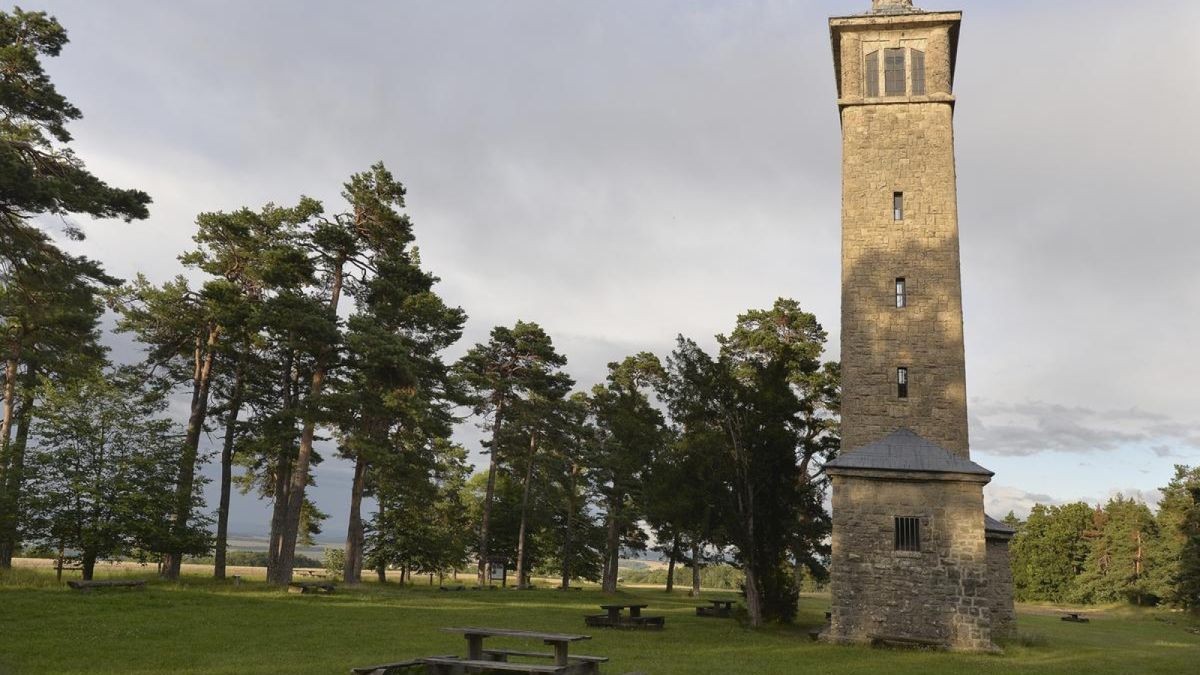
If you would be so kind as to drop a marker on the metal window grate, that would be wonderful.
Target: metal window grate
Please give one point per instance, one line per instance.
(901, 293)
(897, 206)
(908, 533)
(918, 72)
(893, 72)
(902, 382)
(871, 74)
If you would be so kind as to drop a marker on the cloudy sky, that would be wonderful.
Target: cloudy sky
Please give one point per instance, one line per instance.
(621, 172)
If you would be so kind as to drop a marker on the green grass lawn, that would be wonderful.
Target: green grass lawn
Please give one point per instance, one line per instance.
(202, 627)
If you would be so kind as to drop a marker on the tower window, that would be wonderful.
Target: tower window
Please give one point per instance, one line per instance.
(871, 74)
(897, 206)
(893, 72)
(901, 293)
(908, 533)
(902, 382)
(918, 72)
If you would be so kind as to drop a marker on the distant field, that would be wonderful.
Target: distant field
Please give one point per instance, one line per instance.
(199, 626)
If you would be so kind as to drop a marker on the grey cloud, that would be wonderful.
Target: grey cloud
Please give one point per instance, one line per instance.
(1033, 427)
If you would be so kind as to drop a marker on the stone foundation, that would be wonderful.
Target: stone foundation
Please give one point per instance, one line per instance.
(1000, 584)
(939, 594)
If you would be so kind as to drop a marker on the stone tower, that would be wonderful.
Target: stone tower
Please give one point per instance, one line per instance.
(914, 556)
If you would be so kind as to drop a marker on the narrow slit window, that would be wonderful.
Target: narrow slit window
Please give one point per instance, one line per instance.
(908, 533)
(902, 382)
(901, 293)
(918, 72)
(871, 74)
(897, 206)
(893, 72)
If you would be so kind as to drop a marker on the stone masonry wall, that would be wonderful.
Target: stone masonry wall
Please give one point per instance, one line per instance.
(939, 593)
(1000, 585)
(901, 144)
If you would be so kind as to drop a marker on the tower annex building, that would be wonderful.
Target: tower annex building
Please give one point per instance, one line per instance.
(914, 556)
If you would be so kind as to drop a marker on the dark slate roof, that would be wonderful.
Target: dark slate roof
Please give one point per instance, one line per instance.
(990, 524)
(903, 450)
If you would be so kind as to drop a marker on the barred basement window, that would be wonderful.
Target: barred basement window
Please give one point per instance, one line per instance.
(902, 382)
(893, 72)
(897, 206)
(918, 72)
(908, 533)
(871, 74)
(901, 293)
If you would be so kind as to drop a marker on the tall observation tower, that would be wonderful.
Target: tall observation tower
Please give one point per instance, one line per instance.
(914, 555)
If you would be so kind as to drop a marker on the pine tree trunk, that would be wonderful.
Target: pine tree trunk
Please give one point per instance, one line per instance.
(283, 463)
(485, 566)
(201, 381)
(10, 505)
(298, 481)
(89, 564)
(671, 564)
(612, 547)
(235, 407)
(8, 406)
(525, 512)
(567, 534)
(352, 571)
(696, 569)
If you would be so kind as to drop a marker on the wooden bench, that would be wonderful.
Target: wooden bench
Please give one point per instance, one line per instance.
(1073, 617)
(311, 587)
(89, 585)
(459, 587)
(388, 668)
(905, 641)
(455, 666)
(591, 663)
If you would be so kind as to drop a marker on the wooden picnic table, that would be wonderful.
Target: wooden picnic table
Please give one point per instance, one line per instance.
(613, 610)
(475, 636)
(720, 608)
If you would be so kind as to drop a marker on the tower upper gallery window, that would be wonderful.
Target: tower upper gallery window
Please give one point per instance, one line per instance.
(902, 72)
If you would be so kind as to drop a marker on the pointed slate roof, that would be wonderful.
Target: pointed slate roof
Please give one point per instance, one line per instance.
(990, 524)
(903, 450)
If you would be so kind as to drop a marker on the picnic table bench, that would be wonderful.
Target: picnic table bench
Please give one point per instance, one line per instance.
(720, 608)
(1073, 616)
(612, 618)
(312, 574)
(480, 659)
(311, 587)
(112, 583)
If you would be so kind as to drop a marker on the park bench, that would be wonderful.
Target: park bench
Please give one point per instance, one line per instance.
(583, 664)
(722, 609)
(112, 583)
(1075, 618)
(905, 641)
(455, 666)
(390, 668)
(311, 587)
(459, 587)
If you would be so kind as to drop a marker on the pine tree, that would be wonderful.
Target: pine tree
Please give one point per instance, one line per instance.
(514, 364)
(1116, 564)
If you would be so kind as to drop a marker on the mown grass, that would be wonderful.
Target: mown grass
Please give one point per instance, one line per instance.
(199, 626)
